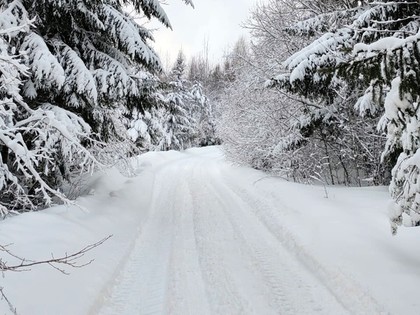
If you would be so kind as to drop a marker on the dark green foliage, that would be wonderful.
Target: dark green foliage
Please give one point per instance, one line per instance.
(372, 60)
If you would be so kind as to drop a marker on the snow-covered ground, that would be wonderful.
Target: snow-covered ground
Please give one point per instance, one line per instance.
(193, 234)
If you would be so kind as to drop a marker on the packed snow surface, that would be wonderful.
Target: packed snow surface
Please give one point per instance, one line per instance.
(194, 234)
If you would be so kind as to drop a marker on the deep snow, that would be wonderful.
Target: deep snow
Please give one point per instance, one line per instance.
(193, 234)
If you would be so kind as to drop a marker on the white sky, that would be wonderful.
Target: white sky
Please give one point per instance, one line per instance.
(216, 20)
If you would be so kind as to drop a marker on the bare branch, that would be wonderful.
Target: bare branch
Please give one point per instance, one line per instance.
(69, 260)
(4, 297)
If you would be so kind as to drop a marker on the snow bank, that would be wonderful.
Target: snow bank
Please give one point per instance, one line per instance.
(343, 235)
(117, 207)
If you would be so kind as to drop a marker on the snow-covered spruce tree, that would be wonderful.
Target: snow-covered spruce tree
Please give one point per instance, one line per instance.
(168, 125)
(335, 145)
(88, 65)
(202, 111)
(89, 55)
(187, 116)
(341, 136)
(179, 123)
(147, 129)
(284, 133)
(36, 144)
(370, 54)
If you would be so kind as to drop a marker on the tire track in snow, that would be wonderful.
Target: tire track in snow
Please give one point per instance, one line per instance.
(347, 291)
(209, 247)
(216, 249)
(142, 284)
(186, 292)
(291, 289)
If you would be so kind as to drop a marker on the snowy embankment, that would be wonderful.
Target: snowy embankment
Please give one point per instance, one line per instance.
(193, 234)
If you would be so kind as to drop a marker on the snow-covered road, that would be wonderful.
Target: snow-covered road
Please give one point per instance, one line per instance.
(193, 234)
(205, 250)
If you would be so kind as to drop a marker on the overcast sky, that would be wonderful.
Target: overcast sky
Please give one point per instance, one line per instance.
(217, 20)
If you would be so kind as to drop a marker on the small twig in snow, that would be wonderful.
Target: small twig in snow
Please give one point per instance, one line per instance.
(66, 260)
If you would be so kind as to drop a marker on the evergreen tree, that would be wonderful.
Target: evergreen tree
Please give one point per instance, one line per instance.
(292, 135)
(204, 115)
(369, 53)
(180, 131)
(38, 145)
(178, 70)
(179, 124)
(89, 56)
(87, 67)
(189, 120)
(171, 125)
(343, 142)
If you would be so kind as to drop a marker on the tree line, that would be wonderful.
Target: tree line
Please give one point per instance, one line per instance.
(328, 91)
(82, 89)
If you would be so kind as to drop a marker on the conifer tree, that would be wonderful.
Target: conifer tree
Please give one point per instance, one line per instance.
(203, 113)
(370, 52)
(189, 118)
(291, 135)
(89, 56)
(179, 68)
(87, 66)
(37, 144)
(180, 124)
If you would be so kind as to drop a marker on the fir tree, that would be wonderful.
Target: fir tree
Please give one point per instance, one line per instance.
(38, 144)
(370, 52)
(180, 124)
(189, 120)
(89, 56)
(178, 70)
(291, 135)
(204, 115)
(87, 66)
